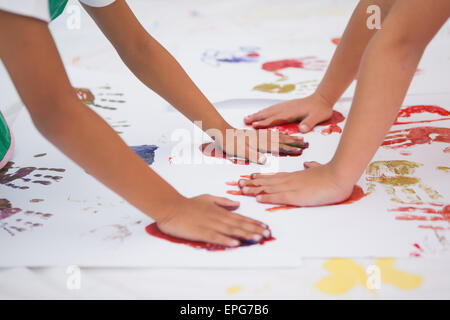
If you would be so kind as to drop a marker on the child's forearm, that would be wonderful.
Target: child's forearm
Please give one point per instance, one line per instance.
(88, 140)
(386, 71)
(346, 59)
(157, 69)
(153, 65)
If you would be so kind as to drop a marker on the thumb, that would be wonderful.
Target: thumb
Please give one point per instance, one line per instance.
(225, 203)
(309, 123)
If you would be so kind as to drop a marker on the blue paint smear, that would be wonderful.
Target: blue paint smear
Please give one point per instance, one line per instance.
(146, 152)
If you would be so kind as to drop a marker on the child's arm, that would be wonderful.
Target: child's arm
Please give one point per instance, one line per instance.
(158, 70)
(386, 70)
(31, 58)
(341, 72)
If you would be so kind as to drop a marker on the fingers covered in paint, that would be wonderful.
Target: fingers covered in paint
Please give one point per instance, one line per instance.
(207, 218)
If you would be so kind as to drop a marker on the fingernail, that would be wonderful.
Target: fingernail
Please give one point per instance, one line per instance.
(253, 175)
(241, 182)
(257, 237)
(234, 243)
(245, 189)
(266, 233)
(304, 128)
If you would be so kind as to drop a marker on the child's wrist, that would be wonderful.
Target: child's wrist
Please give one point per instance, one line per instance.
(324, 99)
(342, 176)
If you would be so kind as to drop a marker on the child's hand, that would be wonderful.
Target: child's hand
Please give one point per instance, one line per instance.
(314, 186)
(309, 111)
(209, 219)
(250, 144)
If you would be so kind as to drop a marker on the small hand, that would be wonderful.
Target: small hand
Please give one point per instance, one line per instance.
(314, 186)
(250, 144)
(209, 219)
(309, 111)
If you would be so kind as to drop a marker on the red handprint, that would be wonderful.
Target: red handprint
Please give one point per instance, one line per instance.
(410, 137)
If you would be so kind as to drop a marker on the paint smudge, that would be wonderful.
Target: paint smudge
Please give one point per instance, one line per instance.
(233, 289)
(146, 152)
(440, 212)
(154, 231)
(20, 224)
(275, 88)
(36, 200)
(40, 155)
(444, 169)
(346, 274)
(407, 112)
(301, 88)
(22, 175)
(398, 175)
(242, 55)
(357, 194)
(446, 150)
(112, 232)
(335, 40)
(306, 63)
(87, 97)
(414, 136)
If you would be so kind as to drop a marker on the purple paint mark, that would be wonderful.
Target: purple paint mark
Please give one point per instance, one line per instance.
(146, 152)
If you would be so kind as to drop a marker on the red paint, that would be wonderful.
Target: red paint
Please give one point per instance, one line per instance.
(284, 207)
(154, 231)
(209, 146)
(443, 213)
(414, 136)
(408, 111)
(417, 246)
(235, 192)
(432, 227)
(253, 54)
(232, 183)
(336, 40)
(290, 128)
(447, 150)
(415, 254)
(357, 194)
(336, 117)
(275, 66)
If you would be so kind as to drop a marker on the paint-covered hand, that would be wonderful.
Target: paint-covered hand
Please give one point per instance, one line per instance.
(251, 144)
(308, 111)
(209, 219)
(315, 186)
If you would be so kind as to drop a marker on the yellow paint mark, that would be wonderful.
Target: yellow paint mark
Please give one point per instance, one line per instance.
(445, 169)
(345, 274)
(275, 88)
(397, 278)
(233, 289)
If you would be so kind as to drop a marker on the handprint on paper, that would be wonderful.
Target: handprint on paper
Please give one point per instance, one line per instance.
(303, 87)
(14, 220)
(22, 177)
(306, 63)
(413, 136)
(397, 179)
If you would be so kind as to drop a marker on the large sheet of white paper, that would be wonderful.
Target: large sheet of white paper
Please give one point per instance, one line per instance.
(67, 217)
